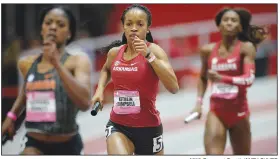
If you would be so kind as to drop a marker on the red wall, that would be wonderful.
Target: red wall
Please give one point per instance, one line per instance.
(168, 14)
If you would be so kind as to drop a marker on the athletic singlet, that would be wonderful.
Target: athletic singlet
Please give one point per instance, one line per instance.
(49, 109)
(227, 97)
(135, 91)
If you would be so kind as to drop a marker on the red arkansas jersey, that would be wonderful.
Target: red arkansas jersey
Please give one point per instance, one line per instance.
(135, 91)
(227, 97)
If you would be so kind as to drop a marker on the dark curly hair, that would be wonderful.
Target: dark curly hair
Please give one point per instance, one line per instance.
(252, 33)
(117, 43)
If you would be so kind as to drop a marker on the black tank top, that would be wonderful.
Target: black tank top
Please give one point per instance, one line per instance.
(66, 110)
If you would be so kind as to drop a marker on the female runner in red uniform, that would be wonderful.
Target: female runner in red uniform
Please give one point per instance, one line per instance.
(229, 65)
(136, 66)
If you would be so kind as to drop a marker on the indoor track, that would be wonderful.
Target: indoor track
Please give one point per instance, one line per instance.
(180, 138)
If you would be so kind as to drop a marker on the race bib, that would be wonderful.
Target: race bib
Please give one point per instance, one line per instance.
(226, 91)
(126, 102)
(41, 107)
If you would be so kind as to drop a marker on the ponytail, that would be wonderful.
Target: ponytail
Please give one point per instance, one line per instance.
(254, 34)
(106, 49)
(124, 40)
(149, 37)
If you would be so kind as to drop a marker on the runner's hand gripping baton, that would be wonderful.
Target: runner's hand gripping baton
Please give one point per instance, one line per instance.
(191, 117)
(95, 109)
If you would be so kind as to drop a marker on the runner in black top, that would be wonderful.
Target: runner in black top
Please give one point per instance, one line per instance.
(56, 86)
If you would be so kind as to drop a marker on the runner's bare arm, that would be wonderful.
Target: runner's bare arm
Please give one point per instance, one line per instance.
(78, 86)
(24, 65)
(202, 80)
(163, 69)
(105, 73)
(248, 76)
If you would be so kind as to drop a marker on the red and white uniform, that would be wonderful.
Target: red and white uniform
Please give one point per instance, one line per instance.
(135, 91)
(229, 97)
